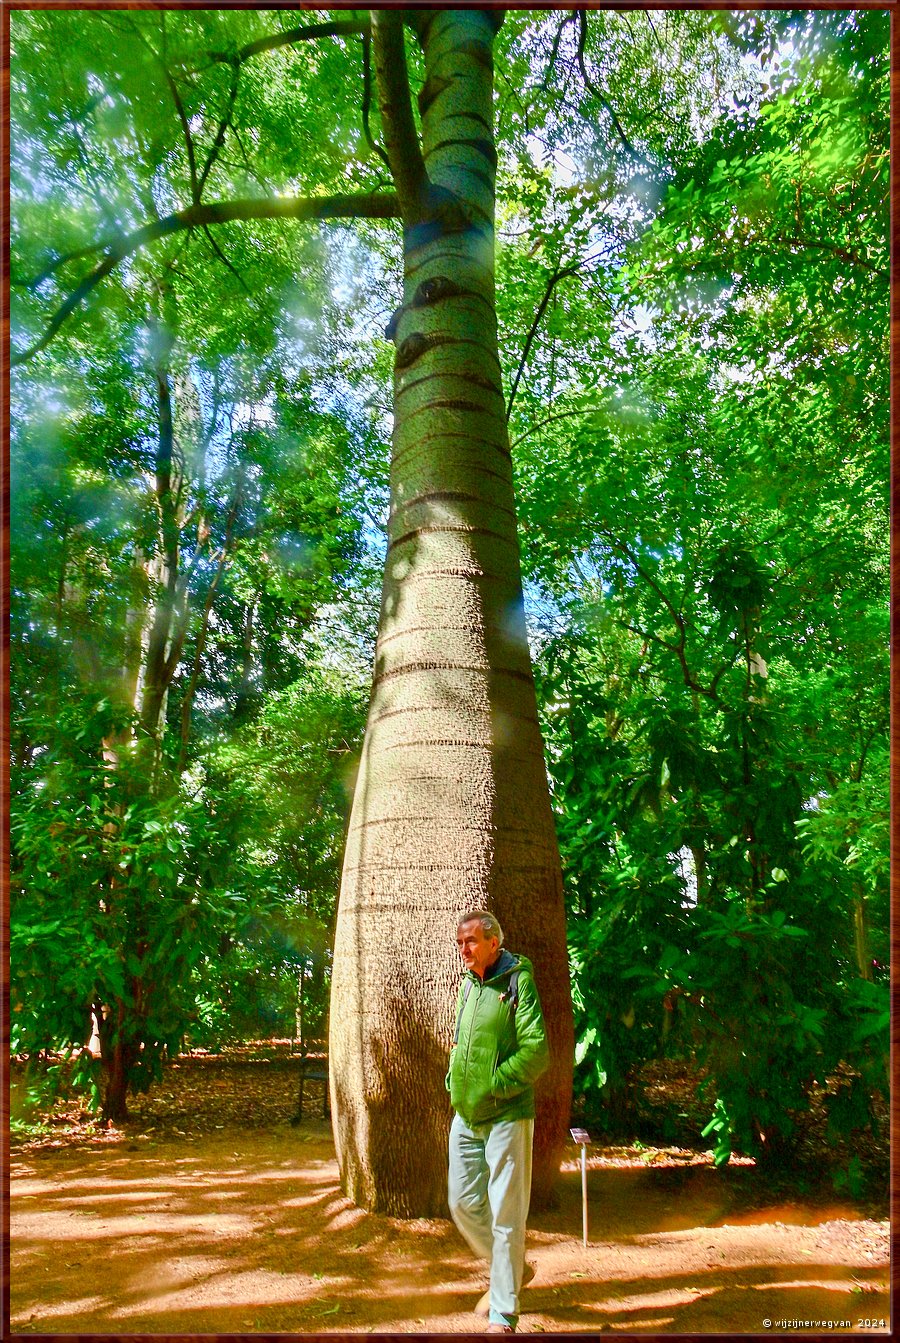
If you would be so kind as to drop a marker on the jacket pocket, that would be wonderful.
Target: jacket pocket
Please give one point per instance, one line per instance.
(485, 1109)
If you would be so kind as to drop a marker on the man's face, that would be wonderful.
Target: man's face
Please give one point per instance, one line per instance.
(477, 949)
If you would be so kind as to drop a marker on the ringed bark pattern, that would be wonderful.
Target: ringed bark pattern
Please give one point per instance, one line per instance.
(451, 808)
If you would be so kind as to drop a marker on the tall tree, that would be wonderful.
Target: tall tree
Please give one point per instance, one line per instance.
(451, 809)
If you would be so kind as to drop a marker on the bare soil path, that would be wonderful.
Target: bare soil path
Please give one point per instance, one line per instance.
(229, 1220)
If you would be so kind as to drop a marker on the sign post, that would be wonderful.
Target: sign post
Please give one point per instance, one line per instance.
(582, 1137)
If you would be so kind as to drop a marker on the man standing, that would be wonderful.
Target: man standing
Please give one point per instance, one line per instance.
(500, 1048)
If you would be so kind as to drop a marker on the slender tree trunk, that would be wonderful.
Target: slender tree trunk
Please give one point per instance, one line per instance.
(190, 690)
(132, 670)
(164, 570)
(117, 1055)
(151, 655)
(299, 1025)
(698, 853)
(245, 693)
(451, 808)
(861, 934)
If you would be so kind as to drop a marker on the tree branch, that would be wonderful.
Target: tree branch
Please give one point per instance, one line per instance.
(708, 692)
(224, 123)
(340, 28)
(851, 258)
(376, 206)
(225, 262)
(589, 83)
(560, 415)
(182, 114)
(160, 58)
(733, 257)
(649, 18)
(50, 269)
(186, 131)
(556, 275)
(804, 559)
(554, 50)
(367, 99)
(649, 637)
(625, 549)
(401, 137)
(251, 170)
(679, 648)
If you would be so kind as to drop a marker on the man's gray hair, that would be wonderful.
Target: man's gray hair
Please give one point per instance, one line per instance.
(487, 921)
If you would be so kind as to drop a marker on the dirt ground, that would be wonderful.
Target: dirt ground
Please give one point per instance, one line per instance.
(235, 1223)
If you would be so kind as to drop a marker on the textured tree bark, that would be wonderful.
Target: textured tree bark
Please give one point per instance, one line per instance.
(451, 808)
(117, 1055)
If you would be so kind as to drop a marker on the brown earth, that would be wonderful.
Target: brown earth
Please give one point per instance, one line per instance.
(208, 1213)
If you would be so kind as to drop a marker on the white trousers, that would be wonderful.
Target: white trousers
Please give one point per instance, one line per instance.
(489, 1189)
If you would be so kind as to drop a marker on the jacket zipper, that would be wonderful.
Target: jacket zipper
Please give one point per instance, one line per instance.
(478, 988)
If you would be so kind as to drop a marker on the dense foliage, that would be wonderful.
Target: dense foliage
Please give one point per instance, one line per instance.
(693, 316)
(708, 522)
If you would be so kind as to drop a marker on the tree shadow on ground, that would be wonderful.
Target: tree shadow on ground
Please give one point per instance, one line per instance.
(252, 1235)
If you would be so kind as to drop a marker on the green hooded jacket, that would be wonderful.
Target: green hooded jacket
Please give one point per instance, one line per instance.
(500, 1052)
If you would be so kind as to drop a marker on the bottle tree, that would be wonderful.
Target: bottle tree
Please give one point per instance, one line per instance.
(451, 808)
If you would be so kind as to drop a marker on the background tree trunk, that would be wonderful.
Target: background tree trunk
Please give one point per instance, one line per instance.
(117, 1056)
(451, 808)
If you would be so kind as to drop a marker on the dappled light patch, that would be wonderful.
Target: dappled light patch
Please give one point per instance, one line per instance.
(825, 1283)
(251, 1234)
(85, 1305)
(342, 1215)
(659, 1300)
(640, 1157)
(794, 1214)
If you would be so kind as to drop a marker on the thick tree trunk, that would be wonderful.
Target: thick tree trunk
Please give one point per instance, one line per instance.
(451, 808)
